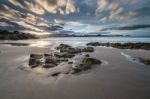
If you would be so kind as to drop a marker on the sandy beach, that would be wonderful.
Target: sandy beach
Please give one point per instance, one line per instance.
(119, 78)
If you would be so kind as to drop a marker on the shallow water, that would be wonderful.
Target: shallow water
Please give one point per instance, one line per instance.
(77, 41)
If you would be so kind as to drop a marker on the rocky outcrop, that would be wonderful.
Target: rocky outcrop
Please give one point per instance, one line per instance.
(68, 49)
(16, 35)
(66, 60)
(82, 63)
(145, 46)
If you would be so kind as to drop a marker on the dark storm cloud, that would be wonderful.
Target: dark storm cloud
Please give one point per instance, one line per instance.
(133, 27)
(55, 28)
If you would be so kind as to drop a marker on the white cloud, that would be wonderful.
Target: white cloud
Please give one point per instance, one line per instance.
(73, 23)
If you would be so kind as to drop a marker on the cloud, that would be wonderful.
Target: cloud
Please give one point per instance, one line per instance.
(59, 21)
(8, 12)
(130, 27)
(73, 23)
(63, 7)
(35, 20)
(52, 6)
(118, 14)
(30, 6)
(55, 28)
(121, 9)
(75, 15)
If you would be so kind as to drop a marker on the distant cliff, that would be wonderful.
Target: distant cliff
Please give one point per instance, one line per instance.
(16, 35)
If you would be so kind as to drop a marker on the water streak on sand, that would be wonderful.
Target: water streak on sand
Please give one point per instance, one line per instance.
(131, 59)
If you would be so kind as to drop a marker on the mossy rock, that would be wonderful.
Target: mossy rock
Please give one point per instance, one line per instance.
(91, 61)
(63, 46)
(47, 55)
(76, 70)
(48, 65)
(85, 65)
(36, 56)
(145, 61)
(50, 61)
(33, 63)
(93, 44)
(64, 55)
(88, 49)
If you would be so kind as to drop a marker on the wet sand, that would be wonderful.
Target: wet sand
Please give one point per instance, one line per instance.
(119, 79)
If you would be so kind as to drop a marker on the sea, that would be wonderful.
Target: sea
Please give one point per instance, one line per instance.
(78, 41)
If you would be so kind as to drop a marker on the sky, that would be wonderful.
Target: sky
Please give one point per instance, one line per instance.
(125, 17)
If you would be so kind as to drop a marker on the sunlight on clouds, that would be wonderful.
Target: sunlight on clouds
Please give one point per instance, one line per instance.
(70, 8)
(116, 9)
(28, 26)
(9, 12)
(52, 8)
(28, 6)
(35, 20)
(35, 8)
(35, 32)
(58, 21)
(62, 6)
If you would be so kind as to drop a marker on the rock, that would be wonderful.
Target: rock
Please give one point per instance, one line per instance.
(90, 61)
(75, 70)
(87, 55)
(66, 60)
(88, 49)
(64, 55)
(48, 65)
(56, 74)
(70, 62)
(93, 44)
(36, 56)
(51, 61)
(145, 46)
(145, 61)
(83, 62)
(48, 55)
(34, 63)
(70, 50)
(63, 47)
